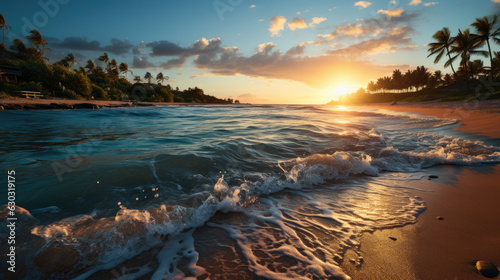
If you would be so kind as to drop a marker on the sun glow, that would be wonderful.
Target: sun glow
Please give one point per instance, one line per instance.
(339, 89)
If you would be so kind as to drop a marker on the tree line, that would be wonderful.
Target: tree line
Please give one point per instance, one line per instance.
(461, 47)
(103, 78)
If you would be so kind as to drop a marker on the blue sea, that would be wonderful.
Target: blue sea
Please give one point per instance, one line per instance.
(215, 192)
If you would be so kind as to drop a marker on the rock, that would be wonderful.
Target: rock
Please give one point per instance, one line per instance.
(393, 238)
(352, 260)
(1, 108)
(86, 106)
(57, 259)
(487, 269)
(440, 218)
(433, 177)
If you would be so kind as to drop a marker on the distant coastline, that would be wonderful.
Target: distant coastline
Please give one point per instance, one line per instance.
(70, 104)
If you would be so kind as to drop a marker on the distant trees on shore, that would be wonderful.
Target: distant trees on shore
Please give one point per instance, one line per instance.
(103, 78)
(459, 48)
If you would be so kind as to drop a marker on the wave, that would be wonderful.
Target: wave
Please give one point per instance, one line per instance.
(107, 241)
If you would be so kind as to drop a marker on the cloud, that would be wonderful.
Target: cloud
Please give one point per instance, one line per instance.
(297, 23)
(300, 23)
(211, 56)
(75, 43)
(370, 27)
(266, 47)
(435, 3)
(139, 50)
(415, 2)
(386, 44)
(357, 30)
(165, 48)
(391, 13)
(277, 24)
(117, 46)
(142, 63)
(252, 6)
(316, 20)
(400, 30)
(495, 1)
(362, 4)
(297, 50)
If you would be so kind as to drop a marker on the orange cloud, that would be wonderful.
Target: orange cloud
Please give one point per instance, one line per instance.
(394, 13)
(316, 20)
(297, 23)
(362, 4)
(277, 24)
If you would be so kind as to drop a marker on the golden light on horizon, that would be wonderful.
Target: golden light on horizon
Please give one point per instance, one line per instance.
(339, 89)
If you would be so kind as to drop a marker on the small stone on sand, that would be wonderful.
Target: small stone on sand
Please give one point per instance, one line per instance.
(393, 238)
(487, 269)
(440, 218)
(433, 177)
(352, 260)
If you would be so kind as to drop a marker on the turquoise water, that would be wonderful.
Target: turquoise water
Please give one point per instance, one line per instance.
(301, 171)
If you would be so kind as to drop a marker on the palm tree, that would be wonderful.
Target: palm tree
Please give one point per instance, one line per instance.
(148, 77)
(124, 69)
(4, 26)
(476, 67)
(104, 58)
(443, 43)
(448, 80)
(371, 86)
(70, 60)
(90, 66)
(464, 46)
(485, 32)
(137, 79)
(160, 78)
(38, 41)
(397, 80)
(81, 70)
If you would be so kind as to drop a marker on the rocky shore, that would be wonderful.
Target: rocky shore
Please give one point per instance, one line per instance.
(55, 104)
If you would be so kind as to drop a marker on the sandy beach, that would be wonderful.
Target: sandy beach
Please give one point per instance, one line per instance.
(477, 117)
(465, 197)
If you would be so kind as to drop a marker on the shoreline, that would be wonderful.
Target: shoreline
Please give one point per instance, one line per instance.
(69, 104)
(433, 248)
(466, 197)
(476, 117)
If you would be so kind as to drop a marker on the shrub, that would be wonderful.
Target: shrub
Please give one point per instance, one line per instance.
(99, 93)
(4, 95)
(116, 94)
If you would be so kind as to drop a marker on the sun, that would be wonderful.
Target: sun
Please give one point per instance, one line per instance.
(339, 89)
(342, 89)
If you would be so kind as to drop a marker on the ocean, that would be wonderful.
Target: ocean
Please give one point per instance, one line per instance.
(215, 192)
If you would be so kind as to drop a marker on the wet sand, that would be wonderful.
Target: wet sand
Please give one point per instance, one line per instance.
(477, 117)
(467, 198)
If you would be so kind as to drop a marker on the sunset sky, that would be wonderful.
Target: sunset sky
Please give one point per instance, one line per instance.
(255, 51)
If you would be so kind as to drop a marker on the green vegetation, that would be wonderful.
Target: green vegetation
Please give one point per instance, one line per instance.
(101, 79)
(468, 81)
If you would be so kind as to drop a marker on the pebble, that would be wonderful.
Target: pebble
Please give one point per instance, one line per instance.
(440, 218)
(433, 177)
(393, 238)
(487, 269)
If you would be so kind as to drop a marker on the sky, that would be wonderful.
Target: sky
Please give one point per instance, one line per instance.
(280, 52)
